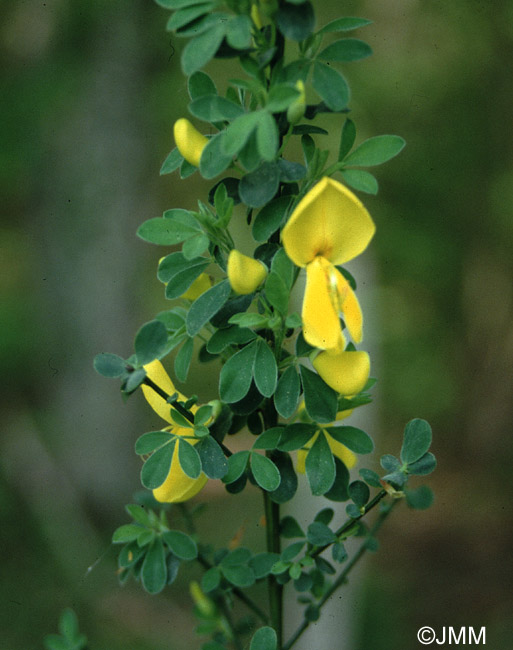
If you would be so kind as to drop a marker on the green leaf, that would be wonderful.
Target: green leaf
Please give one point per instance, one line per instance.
(126, 533)
(183, 360)
(135, 379)
(239, 575)
(292, 551)
(269, 439)
(200, 84)
(154, 568)
(325, 516)
(238, 132)
(265, 371)
(211, 580)
(249, 320)
(339, 553)
(213, 461)
(177, 4)
(213, 159)
(354, 439)
(347, 138)
(270, 217)
(360, 180)
(264, 639)
(389, 463)
(155, 470)
(417, 440)
(213, 108)
(201, 49)
(320, 466)
(287, 392)
(265, 472)
(359, 493)
(68, 627)
(179, 273)
(420, 498)
(331, 86)
(319, 534)
(346, 49)
(296, 436)
(236, 374)
(320, 399)
(262, 564)
(148, 442)
(236, 466)
(291, 172)
(283, 266)
(221, 339)
(277, 292)
(345, 24)
(290, 528)
(206, 306)
(173, 228)
(150, 342)
(259, 187)
(109, 365)
(172, 162)
(281, 96)
(353, 511)
(139, 514)
(183, 546)
(187, 169)
(238, 33)
(267, 136)
(296, 22)
(338, 491)
(376, 150)
(423, 466)
(370, 477)
(188, 14)
(189, 459)
(195, 246)
(288, 483)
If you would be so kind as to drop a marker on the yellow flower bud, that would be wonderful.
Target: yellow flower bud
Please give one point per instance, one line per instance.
(296, 110)
(256, 17)
(202, 602)
(245, 273)
(345, 372)
(189, 140)
(201, 284)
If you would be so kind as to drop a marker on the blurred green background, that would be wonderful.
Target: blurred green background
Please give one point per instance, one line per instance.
(89, 95)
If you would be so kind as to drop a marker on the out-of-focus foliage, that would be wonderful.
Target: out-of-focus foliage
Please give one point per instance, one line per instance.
(87, 91)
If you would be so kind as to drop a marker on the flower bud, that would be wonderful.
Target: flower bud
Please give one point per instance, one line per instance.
(245, 273)
(202, 602)
(189, 140)
(256, 17)
(345, 372)
(296, 110)
(201, 284)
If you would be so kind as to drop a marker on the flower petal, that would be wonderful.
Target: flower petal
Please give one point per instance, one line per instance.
(178, 486)
(155, 371)
(329, 221)
(201, 284)
(350, 307)
(321, 323)
(244, 273)
(189, 141)
(345, 372)
(342, 452)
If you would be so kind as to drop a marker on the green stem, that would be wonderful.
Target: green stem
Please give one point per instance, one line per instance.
(272, 519)
(342, 577)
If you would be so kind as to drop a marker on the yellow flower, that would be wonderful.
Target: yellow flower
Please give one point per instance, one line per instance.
(329, 226)
(244, 273)
(178, 486)
(198, 287)
(345, 372)
(189, 140)
(337, 448)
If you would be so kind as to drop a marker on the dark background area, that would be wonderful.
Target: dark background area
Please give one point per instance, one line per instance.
(89, 95)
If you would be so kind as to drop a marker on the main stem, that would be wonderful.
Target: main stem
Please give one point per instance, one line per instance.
(272, 518)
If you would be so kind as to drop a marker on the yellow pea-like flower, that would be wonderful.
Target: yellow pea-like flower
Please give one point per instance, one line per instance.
(337, 448)
(245, 273)
(189, 140)
(177, 486)
(201, 284)
(345, 372)
(329, 226)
